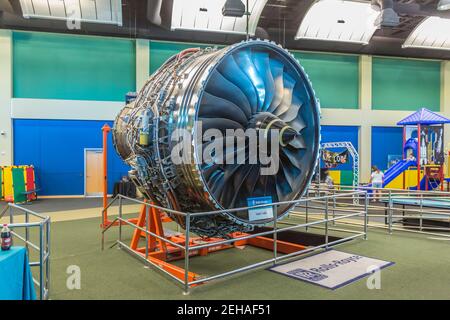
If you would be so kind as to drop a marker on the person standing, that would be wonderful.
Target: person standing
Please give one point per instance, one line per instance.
(377, 179)
(329, 180)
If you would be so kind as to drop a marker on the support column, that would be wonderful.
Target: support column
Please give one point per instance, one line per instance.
(365, 104)
(445, 99)
(142, 62)
(6, 134)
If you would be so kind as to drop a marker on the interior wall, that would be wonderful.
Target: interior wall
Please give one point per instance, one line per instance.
(73, 78)
(56, 149)
(386, 141)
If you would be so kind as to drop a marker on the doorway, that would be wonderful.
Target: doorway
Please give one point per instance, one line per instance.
(93, 172)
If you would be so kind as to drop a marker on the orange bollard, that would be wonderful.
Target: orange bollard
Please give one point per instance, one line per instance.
(106, 129)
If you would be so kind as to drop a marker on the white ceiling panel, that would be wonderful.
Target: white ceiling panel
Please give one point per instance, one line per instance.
(93, 11)
(431, 33)
(339, 20)
(206, 15)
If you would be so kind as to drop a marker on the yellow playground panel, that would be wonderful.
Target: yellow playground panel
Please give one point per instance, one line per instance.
(410, 178)
(336, 176)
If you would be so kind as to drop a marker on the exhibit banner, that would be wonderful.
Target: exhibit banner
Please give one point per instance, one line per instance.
(332, 159)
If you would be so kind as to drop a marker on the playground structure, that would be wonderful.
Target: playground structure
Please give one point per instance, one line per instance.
(423, 156)
(428, 146)
(18, 184)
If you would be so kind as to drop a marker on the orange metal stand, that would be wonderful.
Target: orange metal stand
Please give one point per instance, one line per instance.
(106, 222)
(161, 252)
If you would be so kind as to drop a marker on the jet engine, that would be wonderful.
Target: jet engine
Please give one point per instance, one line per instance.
(200, 132)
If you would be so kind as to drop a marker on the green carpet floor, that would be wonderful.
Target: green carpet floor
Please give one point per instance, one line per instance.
(421, 270)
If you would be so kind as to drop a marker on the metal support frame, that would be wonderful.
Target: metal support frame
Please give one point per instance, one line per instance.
(43, 248)
(355, 156)
(190, 246)
(418, 207)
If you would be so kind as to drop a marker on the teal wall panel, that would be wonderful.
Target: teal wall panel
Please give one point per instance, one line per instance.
(160, 51)
(335, 78)
(58, 66)
(403, 84)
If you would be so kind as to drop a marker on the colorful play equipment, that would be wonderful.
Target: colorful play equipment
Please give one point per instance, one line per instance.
(423, 156)
(18, 184)
(429, 152)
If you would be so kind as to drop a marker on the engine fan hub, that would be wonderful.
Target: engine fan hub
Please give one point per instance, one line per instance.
(266, 121)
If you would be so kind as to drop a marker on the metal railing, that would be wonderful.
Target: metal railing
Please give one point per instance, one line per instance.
(326, 222)
(397, 206)
(42, 247)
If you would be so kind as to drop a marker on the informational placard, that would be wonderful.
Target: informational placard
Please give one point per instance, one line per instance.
(260, 213)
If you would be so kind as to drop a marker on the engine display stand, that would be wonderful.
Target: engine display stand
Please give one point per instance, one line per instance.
(162, 253)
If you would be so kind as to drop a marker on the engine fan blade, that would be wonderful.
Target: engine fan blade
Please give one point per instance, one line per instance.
(298, 142)
(289, 84)
(262, 64)
(283, 186)
(238, 181)
(219, 123)
(230, 70)
(216, 107)
(277, 69)
(219, 86)
(252, 180)
(227, 193)
(291, 173)
(244, 60)
(291, 113)
(292, 156)
(298, 123)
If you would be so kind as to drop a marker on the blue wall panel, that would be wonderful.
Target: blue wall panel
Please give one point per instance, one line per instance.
(56, 149)
(385, 141)
(341, 134)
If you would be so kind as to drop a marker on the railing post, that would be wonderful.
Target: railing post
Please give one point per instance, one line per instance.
(120, 221)
(366, 215)
(186, 255)
(47, 261)
(306, 212)
(334, 207)
(11, 215)
(326, 224)
(41, 260)
(275, 235)
(390, 212)
(147, 227)
(27, 232)
(421, 211)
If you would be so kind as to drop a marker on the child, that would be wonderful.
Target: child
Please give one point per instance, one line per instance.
(329, 180)
(377, 179)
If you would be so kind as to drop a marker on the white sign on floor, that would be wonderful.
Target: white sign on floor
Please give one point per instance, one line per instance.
(331, 269)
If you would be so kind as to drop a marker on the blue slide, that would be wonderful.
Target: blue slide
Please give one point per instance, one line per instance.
(396, 170)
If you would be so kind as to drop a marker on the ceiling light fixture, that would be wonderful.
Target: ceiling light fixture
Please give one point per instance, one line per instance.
(233, 8)
(443, 5)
